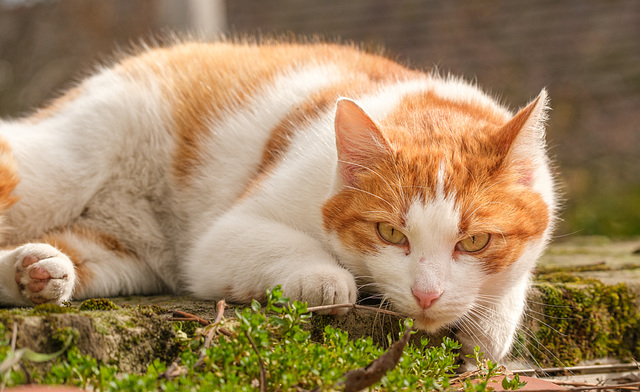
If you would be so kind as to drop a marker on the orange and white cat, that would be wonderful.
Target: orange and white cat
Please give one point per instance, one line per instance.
(223, 169)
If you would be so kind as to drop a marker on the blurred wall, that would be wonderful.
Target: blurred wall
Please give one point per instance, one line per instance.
(586, 52)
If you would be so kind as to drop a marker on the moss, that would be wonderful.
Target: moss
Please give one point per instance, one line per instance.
(190, 327)
(150, 310)
(52, 309)
(585, 319)
(316, 326)
(98, 304)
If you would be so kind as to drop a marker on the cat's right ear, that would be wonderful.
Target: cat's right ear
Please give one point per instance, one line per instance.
(522, 139)
(359, 141)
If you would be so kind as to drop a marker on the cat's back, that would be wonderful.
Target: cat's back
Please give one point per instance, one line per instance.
(236, 106)
(251, 88)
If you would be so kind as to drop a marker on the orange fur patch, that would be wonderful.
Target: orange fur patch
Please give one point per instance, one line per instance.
(60, 241)
(83, 274)
(103, 239)
(8, 176)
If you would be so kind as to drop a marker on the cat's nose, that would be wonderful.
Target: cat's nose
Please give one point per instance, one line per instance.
(426, 299)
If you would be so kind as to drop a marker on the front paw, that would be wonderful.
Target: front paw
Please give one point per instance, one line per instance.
(322, 285)
(44, 274)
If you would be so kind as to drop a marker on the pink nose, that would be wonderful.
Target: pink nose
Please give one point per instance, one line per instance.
(426, 299)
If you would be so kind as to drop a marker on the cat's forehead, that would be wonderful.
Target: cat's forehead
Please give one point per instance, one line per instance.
(437, 113)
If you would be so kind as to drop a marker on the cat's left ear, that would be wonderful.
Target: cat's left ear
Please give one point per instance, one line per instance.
(522, 139)
(359, 141)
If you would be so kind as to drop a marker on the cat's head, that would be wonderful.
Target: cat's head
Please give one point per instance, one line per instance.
(437, 199)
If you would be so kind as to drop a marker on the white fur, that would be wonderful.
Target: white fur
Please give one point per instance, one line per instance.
(104, 162)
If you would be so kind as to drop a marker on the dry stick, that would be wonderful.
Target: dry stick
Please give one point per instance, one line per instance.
(174, 370)
(585, 384)
(14, 337)
(263, 372)
(354, 306)
(179, 315)
(362, 378)
(571, 383)
(465, 376)
(220, 306)
(211, 332)
(633, 385)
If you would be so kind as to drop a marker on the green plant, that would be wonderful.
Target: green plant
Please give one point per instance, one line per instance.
(510, 384)
(265, 346)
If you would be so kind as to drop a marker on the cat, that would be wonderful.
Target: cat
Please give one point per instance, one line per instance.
(222, 169)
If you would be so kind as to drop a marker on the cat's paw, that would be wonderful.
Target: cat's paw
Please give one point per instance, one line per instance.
(322, 285)
(44, 274)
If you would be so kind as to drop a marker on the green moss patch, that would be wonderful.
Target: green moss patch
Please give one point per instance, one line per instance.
(98, 304)
(584, 319)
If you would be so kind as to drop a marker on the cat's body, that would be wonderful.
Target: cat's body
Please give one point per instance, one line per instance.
(224, 169)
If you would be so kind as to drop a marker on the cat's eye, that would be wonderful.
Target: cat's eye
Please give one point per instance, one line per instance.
(391, 234)
(474, 243)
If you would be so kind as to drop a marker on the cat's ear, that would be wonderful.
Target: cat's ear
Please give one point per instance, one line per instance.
(358, 140)
(522, 139)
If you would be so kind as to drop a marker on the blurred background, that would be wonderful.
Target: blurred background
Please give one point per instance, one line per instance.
(585, 52)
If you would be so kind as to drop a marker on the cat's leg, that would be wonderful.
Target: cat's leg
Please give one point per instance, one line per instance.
(69, 264)
(241, 256)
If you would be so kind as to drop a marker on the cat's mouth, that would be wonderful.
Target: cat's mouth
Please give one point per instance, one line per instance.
(429, 324)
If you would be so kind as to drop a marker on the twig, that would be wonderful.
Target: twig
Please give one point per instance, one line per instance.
(263, 372)
(14, 337)
(220, 306)
(362, 378)
(175, 370)
(631, 386)
(184, 316)
(465, 376)
(211, 332)
(354, 306)
(571, 383)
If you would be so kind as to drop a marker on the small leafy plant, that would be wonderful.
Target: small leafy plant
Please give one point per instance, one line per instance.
(262, 348)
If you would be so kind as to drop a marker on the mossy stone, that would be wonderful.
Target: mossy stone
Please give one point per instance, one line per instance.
(98, 304)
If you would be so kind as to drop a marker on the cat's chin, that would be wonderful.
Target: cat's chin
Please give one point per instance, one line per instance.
(429, 324)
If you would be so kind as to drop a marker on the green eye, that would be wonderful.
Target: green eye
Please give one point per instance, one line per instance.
(391, 234)
(474, 243)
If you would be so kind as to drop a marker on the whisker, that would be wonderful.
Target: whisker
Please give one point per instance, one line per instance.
(546, 315)
(546, 305)
(490, 310)
(481, 311)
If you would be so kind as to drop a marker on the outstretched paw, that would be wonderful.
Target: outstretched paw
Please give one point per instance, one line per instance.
(44, 274)
(322, 285)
